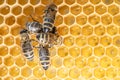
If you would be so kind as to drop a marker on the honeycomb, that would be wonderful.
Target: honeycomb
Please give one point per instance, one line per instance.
(89, 50)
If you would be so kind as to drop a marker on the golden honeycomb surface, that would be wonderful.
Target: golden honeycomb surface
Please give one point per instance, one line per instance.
(90, 48)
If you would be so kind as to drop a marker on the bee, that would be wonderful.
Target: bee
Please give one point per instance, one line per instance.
(26, 45)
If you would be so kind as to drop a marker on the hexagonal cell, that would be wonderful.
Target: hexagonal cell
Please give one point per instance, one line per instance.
(37, 72)
(116, 20)
(3, 71)
(74, 73)
(106, 40)
(21, 20)
(64, 9)
(22, 2)
(94, 19)
(10, 20)
(1, 2)
(100, 30)
(86, 51)
(107, 2)
(62, 72)
(88, 9)
(1, 19)
(95, 1)
(26, 71)
(81, 19)
(87, 30)
(101, 9)
(62, 51)
(105, 62)
(80, 62)
(116, 41)
(111, 72)
(14, 71)
(75, 30)
(69, 2)
(86, 72)
(5, 10)
(58, 20)
(117, 1)
(58, 2)
(116, 62)
(63, 30)
(15, 50)
(99, 73)
(68, 62)
(106, 19)
(68, 41)
(15, 30)
(99, 51)
(3, 50)
(39, 10)
(20, 61)
(113, 9)
(8, 61)
(10, 2)
(93, 40)
(9, 40)
(74, 51)
(4, 30)
(34, 2)
(82, 2)
(45, 2)
(49, 71)
(81, 41)
(56, 61)
(112, 30)
(28, 10)
(75, 9)
(69, 20)
(16, 10)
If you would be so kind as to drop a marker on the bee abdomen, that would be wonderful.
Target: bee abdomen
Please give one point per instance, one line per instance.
(29, 55)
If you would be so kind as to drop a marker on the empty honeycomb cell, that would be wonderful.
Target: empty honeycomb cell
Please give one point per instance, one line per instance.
(64, 9)
(58, 20)
(112, 30)
(74, 73)
(106, 19)
(1, 2)
(107, 2)
(34, 2)
(56, 61)
(50, 73)
(80, 62)
(21, 20)
(86, 51)
(3, 71)
(88, 9)
(82, 2)
(116, 41)
(76, 9)
(32, 64)
(81, 19)
(95, 1)
(9, 40)
(112, 51)
(99, 30)
(39, 9)
(20, 61)
(1, 19)
(10, 2)
(68, 41)
(15, 50)
(75, 30)
(8, 61)
(113, 9)
(106, 40)
(62, 51)
(28, 10)
(105, 62)
(94, 19)
(15, 30)
(63, 30)
(101, 9)
(93, 40)
(69, 20)
(10, 20)
(116, 20)
(3, 50)
(87, 30)
(62, 72)
(14, 71)
(69, 2)
(99, 73)
(68, 62)
(4, 30)
(74, 51)
(93, 62)
(111, 72)
(1, 39)
(86, 72)
(81, 41)
(16, 10)
(99, 51)
(116, 62)
(5, 10)
(26, 71)
(22, 2)
(1, 60)
(8, 78)
(37, 72)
